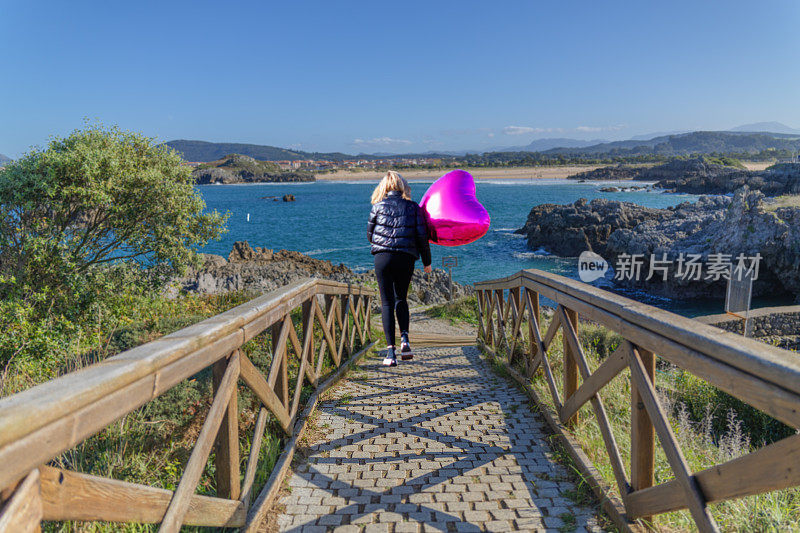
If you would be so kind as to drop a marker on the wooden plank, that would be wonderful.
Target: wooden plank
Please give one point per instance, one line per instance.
(608, 370)
(179, 504)
(325, 324)
(772, 467)
(569, 320)
(261, 505)
(548, 372)
(516, 322)
(773, 400)
(489, 326)
(597, 405)
(23, 511)
(342, 310)
(226, 458)
(259, 386)
(252, 458)
(308, 340)
(695, 500)
(330, 306)
(643, 436)
(70, 495)
(479, 301)
(367, 317)
(279, 336)
(537, 346)
(356, 317)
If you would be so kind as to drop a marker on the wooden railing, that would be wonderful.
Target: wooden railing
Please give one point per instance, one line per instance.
(40, 423)
(763, 376)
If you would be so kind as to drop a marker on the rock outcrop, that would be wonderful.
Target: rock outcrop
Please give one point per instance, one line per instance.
(263, 270)
(610, 173)
(568, 230)
(237, 168)
(743, 224)
(702, 175)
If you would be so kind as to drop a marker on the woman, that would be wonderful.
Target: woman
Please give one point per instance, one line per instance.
(398, 234)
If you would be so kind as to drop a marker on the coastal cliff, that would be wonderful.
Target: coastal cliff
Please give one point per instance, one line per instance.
(263, 270)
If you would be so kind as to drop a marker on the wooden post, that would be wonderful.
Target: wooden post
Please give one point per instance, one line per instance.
(22, 512)
(570, 365)
(642, 433)
(226, 458)
(486, 304)
(501, 324)
(367, 315)
(536, 309)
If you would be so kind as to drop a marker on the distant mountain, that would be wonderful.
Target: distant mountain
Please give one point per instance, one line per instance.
(772, 127)
(4, 158)
(696, 142)
(648, 136)
(208, 151)
(540, 145)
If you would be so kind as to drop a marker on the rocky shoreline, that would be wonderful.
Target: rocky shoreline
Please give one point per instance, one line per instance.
(742, 224)
(701, 175)
(262, 270)
(237, 168)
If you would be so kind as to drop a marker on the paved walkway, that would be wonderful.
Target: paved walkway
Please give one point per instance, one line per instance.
(440, 443)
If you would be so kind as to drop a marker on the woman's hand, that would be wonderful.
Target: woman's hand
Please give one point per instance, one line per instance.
(427, 269)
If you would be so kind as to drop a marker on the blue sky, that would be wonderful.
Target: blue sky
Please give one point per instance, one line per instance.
(399, 76)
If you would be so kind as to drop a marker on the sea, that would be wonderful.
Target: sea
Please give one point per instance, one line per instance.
(328, 220)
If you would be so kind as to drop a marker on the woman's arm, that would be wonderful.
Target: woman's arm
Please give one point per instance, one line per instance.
(371, 223)
(422, 238)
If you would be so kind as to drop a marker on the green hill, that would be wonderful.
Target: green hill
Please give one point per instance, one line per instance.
(696, 142)
(208, 151)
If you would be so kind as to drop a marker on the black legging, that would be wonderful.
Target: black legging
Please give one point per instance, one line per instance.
(394, 270)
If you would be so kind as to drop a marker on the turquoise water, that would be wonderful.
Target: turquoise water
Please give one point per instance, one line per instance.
(328, 221)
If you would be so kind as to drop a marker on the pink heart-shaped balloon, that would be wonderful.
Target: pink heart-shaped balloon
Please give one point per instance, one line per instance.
(455, 216)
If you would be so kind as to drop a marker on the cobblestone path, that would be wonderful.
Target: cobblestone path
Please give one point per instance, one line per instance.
(440, 443)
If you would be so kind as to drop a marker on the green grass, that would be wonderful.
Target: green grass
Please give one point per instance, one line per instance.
(460, 310)
(711, 427)
(785, 200)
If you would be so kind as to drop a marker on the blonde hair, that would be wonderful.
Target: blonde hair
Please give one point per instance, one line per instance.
(392, 181)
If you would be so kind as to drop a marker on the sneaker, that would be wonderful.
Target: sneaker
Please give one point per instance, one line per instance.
(391, 357)
(405, 348)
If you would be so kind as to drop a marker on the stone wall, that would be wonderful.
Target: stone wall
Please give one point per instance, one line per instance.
(774, 325)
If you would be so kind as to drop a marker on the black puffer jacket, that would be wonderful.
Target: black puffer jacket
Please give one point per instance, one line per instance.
(398, 225)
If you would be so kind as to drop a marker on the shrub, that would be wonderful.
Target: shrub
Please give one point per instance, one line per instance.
(91, 212)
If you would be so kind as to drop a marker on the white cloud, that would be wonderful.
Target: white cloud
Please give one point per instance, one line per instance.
(523, 130)
(519, 130)
(380, 141)
(491, 135)
(527, 130)
(600, 128)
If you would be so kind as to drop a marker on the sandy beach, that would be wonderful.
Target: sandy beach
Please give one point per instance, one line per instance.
(505, 173)
(478, 173)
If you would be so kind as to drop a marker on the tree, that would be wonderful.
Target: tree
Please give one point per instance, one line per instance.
(95, 202)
